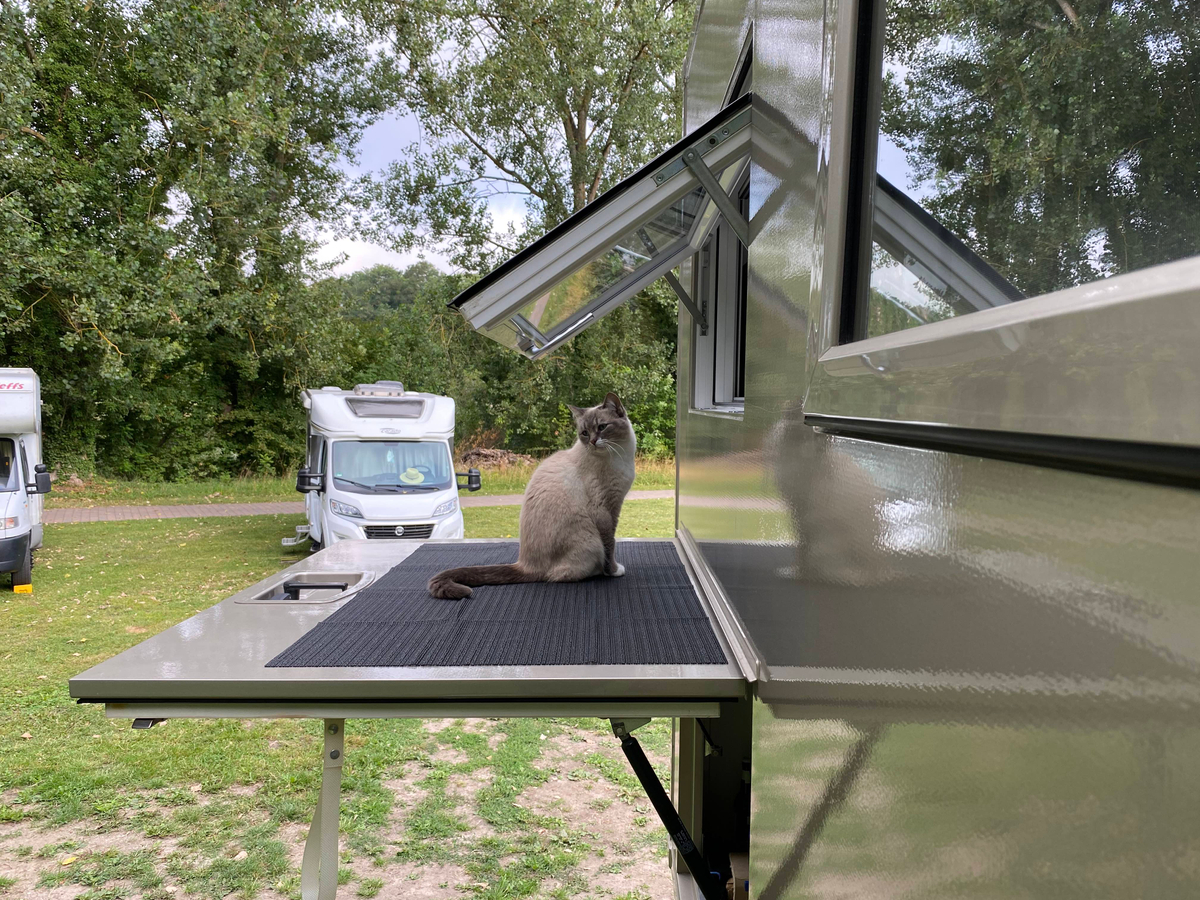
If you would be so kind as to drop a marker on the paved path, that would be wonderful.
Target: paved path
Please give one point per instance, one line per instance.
(295, 507)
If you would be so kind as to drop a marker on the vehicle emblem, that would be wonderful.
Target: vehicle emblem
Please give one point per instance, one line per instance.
(390, 430)
(399, 531)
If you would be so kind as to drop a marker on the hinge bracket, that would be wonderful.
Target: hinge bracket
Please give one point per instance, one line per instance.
(686, 299)
(725, 203)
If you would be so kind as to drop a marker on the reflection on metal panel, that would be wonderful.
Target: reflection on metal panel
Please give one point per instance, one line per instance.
(712, 60)
(962, 806)
(1115, 360)
(915, 573)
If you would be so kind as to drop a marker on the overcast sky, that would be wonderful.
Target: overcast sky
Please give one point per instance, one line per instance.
(382, 144)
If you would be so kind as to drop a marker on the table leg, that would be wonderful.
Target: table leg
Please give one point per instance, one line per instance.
(319, 867)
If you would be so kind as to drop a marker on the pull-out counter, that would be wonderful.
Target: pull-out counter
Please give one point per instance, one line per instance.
(215, 664)
(250, 656)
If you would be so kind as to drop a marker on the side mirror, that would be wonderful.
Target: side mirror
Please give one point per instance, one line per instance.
(474, 481)
(41, 479)
(307, 482)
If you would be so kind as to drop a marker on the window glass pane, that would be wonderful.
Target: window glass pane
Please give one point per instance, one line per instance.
(587, 284)
(743, 271)
(391, 466)
(1025, 147)
(8, 466)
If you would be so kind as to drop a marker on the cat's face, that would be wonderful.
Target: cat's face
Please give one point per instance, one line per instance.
(603, 427)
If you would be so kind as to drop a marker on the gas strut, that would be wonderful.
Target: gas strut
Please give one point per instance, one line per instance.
(710, 886)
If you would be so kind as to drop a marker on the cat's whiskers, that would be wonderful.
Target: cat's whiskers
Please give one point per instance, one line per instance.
(612, 448)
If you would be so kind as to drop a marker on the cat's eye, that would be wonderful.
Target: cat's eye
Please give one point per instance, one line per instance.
(601, 427)
(583, 434)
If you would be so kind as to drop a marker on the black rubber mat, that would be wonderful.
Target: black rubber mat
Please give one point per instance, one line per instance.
(651, 615)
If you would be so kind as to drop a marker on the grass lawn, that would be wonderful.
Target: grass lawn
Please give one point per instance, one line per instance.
(652, 474)
(431, 809)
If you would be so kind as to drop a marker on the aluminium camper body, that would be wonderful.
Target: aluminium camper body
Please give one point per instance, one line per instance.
(380, 466)
(23, 477)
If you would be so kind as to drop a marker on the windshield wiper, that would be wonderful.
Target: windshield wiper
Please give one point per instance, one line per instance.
(412, 487)
(368, 487)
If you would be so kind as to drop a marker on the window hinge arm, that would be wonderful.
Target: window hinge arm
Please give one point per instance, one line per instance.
(686, 299)
(725, 203)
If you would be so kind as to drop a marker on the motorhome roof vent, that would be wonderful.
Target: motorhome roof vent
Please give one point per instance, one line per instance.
(386, 407)
(380, 389)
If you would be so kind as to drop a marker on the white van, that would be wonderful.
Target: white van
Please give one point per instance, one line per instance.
(380, 466)
(23, 478)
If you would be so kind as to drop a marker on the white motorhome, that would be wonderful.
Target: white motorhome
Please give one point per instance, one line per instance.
(379, 466)
(23, 478)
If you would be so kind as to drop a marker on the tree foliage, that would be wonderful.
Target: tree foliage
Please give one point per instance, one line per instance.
(1059, 138)
(552, 100)
(503, 399)
(160, 171)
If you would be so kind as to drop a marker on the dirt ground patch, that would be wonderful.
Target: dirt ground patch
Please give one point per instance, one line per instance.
(27, 852)
(424, 881)
(624, 836)
(615, 834)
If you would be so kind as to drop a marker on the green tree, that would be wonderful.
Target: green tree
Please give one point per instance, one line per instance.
(381, 287)
(1058, 138)
(161, 167)
(553, 100)
(502, 398)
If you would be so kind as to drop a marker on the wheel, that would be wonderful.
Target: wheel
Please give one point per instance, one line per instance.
(314, 546)
(24, 574)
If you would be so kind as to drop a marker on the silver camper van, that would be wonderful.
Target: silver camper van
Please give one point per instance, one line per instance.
(938, 503)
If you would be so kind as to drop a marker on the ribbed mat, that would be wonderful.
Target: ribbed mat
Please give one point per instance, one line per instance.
(651, 615)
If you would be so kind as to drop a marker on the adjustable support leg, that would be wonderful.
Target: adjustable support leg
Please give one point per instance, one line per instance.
(319, 867)
(709, 886)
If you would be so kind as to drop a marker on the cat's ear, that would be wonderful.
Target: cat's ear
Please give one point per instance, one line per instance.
(576, 412)
(613, 402)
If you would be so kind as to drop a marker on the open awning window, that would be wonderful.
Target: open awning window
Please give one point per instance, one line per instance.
(604, 254)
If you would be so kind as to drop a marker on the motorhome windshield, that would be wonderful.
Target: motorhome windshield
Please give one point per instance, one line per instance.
(9, 478)
(392, 466)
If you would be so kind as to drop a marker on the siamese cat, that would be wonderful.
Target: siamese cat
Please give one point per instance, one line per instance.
(569, 517)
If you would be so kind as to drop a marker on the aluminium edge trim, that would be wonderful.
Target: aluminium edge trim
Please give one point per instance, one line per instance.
(717, 602)
(318, 709)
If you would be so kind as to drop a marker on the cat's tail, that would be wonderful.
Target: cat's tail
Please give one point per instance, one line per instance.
(455, 584)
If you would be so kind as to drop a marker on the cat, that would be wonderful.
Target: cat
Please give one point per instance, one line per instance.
(572, 504)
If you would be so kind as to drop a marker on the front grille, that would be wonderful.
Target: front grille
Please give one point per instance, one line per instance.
(388, 532)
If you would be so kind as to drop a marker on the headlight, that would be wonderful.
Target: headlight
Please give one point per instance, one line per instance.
(14, 521)
(446, 508)
(345, 509)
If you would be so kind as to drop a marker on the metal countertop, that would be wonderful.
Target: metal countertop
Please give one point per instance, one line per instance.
(219, 656)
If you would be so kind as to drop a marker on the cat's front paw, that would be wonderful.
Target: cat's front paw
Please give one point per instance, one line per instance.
(617, 572)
